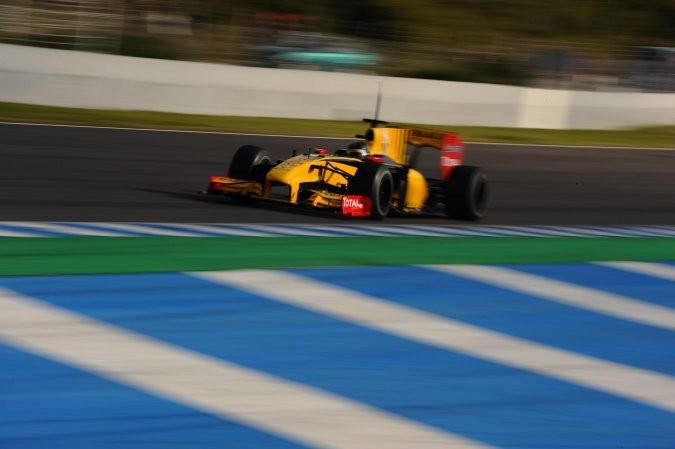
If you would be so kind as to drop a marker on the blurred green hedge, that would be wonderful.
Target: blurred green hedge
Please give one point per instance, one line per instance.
(497, 71)
(141, 44)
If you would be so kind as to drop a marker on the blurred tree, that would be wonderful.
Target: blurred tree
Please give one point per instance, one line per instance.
(364, 18)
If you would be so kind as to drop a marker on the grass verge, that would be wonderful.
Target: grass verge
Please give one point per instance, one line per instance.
(656, 137)
(90, 255)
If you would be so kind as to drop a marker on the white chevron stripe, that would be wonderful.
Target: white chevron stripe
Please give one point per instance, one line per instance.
(633, 383)
(298, 412)
(581, 232)
(63, 228)
(434, 231)
(666, 231)
(108, 229)
(147, 228)
(567, 232)
(404, 231)
(621, 231)
(7, 233)
(559, 291)
(224, 230)
(651, 269)
(611, 231)
(458, 231)
(288, 229)
(642, 231)
(511, 231)
(356, 231)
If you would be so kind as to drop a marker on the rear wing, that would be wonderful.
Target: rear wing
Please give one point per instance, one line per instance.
(392, 141)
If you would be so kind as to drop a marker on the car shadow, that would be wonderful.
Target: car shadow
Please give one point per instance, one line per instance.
(302, 211)
(272, 206)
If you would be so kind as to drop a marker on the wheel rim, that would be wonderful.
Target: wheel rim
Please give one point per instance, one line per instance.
(480, 196)
(384, 195)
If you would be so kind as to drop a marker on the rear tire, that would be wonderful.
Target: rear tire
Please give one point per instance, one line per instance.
(250, 163)
(466, 193)
(377, 183)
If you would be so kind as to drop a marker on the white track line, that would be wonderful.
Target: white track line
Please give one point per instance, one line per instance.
(651, 269)
(637, 384)
(563, 147)
(291, 410)
(55, 125)
(566, 293)
(181, 131)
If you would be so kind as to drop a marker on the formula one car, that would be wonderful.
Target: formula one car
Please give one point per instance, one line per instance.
(371, 178)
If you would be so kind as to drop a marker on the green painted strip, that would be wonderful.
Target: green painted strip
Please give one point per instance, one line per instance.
(88, 255)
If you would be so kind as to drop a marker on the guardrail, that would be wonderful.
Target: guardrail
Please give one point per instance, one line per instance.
(90, 80)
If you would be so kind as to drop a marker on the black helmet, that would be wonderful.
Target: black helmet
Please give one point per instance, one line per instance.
(357, 150)
(356, 145)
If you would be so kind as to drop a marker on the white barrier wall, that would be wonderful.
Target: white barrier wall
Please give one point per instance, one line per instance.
(76, 79)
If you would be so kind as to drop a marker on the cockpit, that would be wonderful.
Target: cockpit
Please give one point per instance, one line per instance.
(356, 150)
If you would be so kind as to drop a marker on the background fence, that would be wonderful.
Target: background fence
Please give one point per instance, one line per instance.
(81, 79)
(591, 45)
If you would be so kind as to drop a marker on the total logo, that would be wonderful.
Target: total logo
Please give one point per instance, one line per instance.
(352, 203)
(356, 206)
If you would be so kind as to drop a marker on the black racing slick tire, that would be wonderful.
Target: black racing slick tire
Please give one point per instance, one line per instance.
(250, 163)
(377, 183)
(466, 193)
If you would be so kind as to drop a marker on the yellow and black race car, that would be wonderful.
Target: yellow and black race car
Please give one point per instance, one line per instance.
(370, 178)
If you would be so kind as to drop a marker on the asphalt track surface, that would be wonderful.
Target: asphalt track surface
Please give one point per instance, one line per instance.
(91, 174)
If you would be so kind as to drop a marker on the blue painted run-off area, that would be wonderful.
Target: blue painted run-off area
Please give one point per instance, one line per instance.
(51, 405)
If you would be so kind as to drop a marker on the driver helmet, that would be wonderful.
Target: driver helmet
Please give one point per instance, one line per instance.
(357, 150)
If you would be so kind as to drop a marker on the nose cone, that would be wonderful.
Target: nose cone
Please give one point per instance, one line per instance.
(293, 170)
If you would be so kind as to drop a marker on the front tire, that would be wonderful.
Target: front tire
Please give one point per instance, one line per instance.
(250, 163)
(377, 183)
(466, 193)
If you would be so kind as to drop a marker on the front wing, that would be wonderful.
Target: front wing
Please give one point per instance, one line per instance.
(350, 205)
